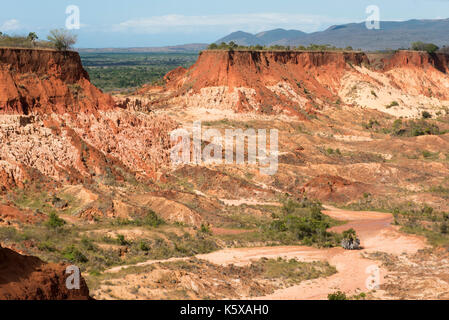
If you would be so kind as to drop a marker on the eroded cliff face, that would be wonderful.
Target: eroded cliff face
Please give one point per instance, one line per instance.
(268, 82)
(56, 127)
(29, 278)
(44, 81)
(415, 59)
(245, 68)
(305, 82)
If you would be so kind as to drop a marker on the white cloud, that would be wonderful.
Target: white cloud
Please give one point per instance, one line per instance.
(10, 25)
(253, 22)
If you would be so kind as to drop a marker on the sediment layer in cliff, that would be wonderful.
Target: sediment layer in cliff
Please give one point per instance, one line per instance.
(294, 82)
(414, 59)
(268, 82)
(45, 81)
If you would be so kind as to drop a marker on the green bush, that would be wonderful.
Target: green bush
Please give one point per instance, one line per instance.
(62, 39)
(205, 228)
(337, 296)
(151, 219)
(54, 221)
(427, 222)
(414, 128)
(426, 115)
(72, 254)
(421, 46)
(302, 222)
(350, 234)
(143, 246)
(393, 104)
(121, 240)
(372, 123)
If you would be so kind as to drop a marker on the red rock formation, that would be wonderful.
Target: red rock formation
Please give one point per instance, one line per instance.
(298, 82)
(419, 72)
(45, 81)
(29, 278)
(417, 59)
(283, 81)
(246, 68)
(10, 215)
(332, 188)
(75, 133)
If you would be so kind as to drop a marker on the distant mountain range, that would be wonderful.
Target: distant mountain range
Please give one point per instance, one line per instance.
(391, 35)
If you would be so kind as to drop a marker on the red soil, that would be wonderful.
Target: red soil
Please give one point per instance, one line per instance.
(306, 72)
(43, 81)
(292, 82)
(335, 189)
(10, 214)
(415, 59)
(29, 278)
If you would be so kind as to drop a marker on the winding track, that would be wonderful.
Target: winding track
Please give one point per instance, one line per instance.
(375, 232)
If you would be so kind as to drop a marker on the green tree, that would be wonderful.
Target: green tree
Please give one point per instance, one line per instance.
(337, 296)
(54, 221)
(426, 115)
(32, 36)
(213, 46)
(232, 45)
(62, 39)
(428, 47)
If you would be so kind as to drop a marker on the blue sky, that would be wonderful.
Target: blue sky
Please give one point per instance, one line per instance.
(119, 23)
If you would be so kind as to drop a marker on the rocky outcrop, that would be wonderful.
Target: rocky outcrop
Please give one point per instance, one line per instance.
(44, 81)
(10, 215)
(56, 124)
(411, 78)
(267, 82)
(236, 69)
(134, 104)
(417, 59)
(333, 188)
(78, 148)
(29, 278)
(350, 244)
(303, 83)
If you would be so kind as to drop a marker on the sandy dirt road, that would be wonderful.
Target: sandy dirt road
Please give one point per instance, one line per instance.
(375, 232)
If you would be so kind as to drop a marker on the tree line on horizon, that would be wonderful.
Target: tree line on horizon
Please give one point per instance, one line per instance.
(232, 46)
(312, 47)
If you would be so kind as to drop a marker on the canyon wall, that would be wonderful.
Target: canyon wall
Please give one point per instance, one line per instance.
(45, 81)
(267, 82)
(56, 125)
(304, 82)
(415, 59)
